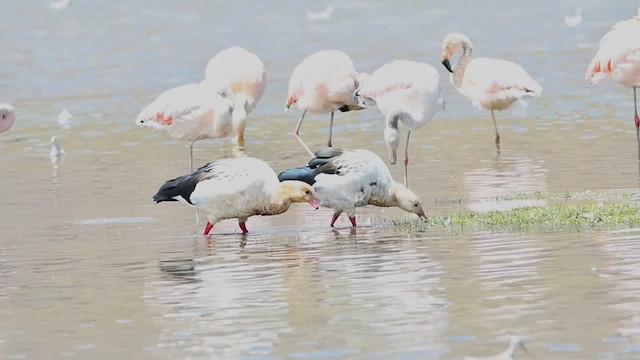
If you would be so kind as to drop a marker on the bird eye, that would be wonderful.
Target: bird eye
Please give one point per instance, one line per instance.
(415, 205)
(307, 192)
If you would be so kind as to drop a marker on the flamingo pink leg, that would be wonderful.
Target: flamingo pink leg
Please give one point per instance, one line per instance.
(636, 118)
(296, 134)
(335, 217)
(208, 228)
(406, 161)
(495, 126)
(243, 227)
(353, 220)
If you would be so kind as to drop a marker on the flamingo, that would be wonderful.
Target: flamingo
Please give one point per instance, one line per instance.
(492, 84)
(191, 112)
(347, 179)
(245, 74)
(618, 59)
(7, 117)
(235, 188)
(322, 83)
(406, 92)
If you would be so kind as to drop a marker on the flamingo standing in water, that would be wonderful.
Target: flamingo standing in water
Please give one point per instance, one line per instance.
(245, 74)
(235, 188)
(7, 117)
(406, 92)
(489, 83)
(322, 83)
(191, 112)
(618, 59)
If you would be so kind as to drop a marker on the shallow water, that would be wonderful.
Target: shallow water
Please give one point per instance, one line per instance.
(90, 267)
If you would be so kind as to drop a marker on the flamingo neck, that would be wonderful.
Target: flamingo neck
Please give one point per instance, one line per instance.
(461, 64)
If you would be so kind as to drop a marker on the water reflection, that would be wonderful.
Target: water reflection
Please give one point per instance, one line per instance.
(504, 176)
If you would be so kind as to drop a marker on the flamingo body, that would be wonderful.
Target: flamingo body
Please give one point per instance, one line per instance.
(323, 82)
(245, 74)
(190, 112)
(405, 92)
(489, 83)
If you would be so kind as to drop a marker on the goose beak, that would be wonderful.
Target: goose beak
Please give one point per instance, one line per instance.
(422, 215)
(314, 203)
(447, 64)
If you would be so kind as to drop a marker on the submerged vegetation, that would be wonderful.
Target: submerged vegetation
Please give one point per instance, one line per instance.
(561, 211)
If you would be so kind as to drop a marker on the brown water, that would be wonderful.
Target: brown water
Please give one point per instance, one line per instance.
(90, 267)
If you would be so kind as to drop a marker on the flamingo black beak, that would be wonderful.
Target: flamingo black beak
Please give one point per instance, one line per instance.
(447, 64)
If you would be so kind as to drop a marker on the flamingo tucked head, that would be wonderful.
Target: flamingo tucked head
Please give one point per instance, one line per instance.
(290, 101)
(450, 45)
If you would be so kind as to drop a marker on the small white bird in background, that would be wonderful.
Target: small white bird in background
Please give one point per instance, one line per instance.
(347, 179)
(492, 84)
(618, 59)
(245, 74)
(407, 93)
(64, 118)
(56, 153)
(7, 117)
(324, 82)
(59, 4)
(510, 354)
(191, 112)
(321, 15)
(574, 20)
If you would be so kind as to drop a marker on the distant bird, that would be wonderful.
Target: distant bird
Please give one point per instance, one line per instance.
(489, 83)
(321, 15)
(322, 83)
(191, 112)
(406, 93)
(235, 188)
(7, 117)
(59, 4)
(574, 20)
(64, 118)
(618, 59)
(346, 179)
(509, 354)
(245, 74)
(56, 153)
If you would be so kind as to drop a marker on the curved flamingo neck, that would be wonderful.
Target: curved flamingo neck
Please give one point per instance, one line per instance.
(461, 64)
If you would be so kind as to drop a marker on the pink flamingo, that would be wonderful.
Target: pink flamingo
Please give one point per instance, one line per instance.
(618, 59)
(322, 83)
(405, 92)
(245, 74)
(492, 84)
(191, 112)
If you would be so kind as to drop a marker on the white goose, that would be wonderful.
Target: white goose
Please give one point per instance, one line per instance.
(489, 83)
(7, 117)
(235, 188)
(324, 82)
(245, 74)
(618, 59)
(191, 112)
(347, 179)
(407, 93)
